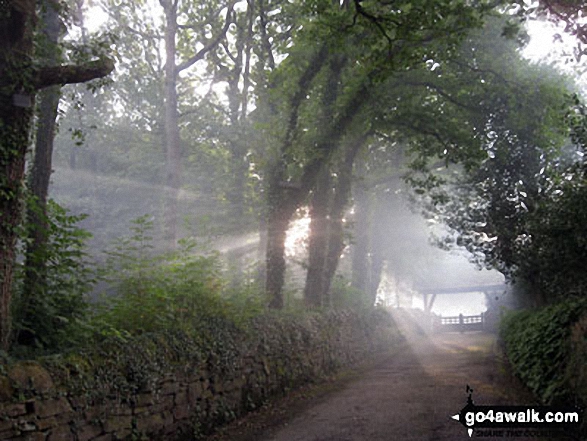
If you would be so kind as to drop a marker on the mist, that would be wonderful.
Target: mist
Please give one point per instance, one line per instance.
(325, 215)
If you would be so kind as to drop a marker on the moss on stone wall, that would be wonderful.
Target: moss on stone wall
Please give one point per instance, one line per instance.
(180, 386)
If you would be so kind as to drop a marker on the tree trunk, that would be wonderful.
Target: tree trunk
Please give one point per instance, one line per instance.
(35, 263)
(327, 144)
(375, 272)
(318, 241)
(376, 252)
(360, 250)
(19, 81)
(15, 126)
(16, 112)
(238, 97)
(40, 173)
(336, 227)
(314, 293)
(172, 135)
(261, 250)
(281, 203)
(277, 225)
(172, 139)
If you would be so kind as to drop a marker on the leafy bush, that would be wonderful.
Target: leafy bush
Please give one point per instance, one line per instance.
(245, 299)
(538, 346)
(577, 371)
(159, 292)
(344, 295)
(50, 317)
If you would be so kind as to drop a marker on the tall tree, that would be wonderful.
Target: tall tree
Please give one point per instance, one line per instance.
(448, 111)
(378, 41)
(488, 204)
(20, 79)
(329, 200)
(40, 173)
(171, 9)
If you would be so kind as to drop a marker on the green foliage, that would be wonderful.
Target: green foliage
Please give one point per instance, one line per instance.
(538, 346)
(558, 248)
(524, 212)
(150, 292)
(513, 204)
(345, 296)
(237, 371)
(154, 292)
(244, 295)
(576, 372)
(51, 317)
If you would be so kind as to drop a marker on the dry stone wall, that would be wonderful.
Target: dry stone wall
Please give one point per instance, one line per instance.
(176, 386)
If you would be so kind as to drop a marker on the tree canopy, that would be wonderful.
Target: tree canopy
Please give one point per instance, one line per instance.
(226, 117)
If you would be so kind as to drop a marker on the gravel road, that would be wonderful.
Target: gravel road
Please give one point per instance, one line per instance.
(409, 394)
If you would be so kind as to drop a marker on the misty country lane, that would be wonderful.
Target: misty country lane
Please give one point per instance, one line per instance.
(408, 395)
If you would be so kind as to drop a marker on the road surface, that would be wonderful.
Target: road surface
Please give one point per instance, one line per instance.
(409, 394)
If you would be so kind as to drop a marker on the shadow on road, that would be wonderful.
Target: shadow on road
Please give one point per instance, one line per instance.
(409, 394)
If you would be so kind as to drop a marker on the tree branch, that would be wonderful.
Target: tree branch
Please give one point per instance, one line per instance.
(440, 91)
(68, 74)
(482, 70)
(227, 51)
(375, 20)
(145, 35)
(213, 44)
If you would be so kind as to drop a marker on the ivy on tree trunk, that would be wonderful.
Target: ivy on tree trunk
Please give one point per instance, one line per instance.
(20, 79)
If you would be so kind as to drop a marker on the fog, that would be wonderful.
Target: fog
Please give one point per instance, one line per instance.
(226, 150)
(207, 204)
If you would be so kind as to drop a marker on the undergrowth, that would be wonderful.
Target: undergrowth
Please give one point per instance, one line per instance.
(179, 290)
(141, 292)
(539, 346)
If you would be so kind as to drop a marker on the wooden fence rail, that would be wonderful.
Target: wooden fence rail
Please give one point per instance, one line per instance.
(460, 323)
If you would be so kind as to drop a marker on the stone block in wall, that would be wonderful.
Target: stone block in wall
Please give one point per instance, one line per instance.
(144, 399)
(177, 429)
(239, 383)
(31, 376)
(207, 395)
(26, 426)
(37, 436)
(149, 423)
(163, 403)
(96, 412)
(234, 397)
(205, 382)
(141, 410)
(6, 389)
(47, 408)
(9, 434)
(217, 385)
(14, 410)
(195, 391)
(6, 425)
(181, 398)
(169, 388)
(181, 411)
(121, 409)
(47, 423)
(88, 432)
(78, 403)
(122, 434)
(61, 433)
(115, 423)
(105, 437)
